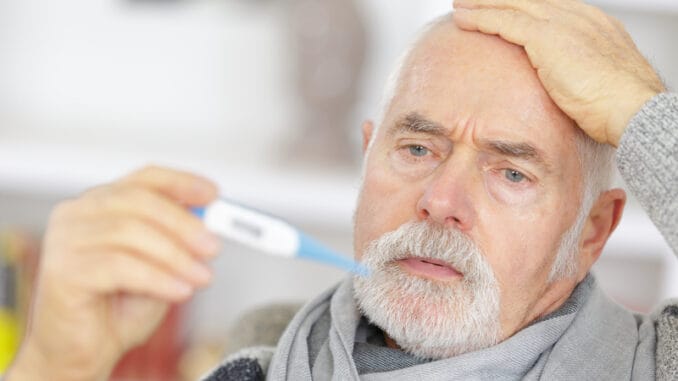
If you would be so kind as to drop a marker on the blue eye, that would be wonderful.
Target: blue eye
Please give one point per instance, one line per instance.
(514, 176)
(418, 151)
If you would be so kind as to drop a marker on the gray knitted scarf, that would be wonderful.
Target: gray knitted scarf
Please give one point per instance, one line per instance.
(589, 337)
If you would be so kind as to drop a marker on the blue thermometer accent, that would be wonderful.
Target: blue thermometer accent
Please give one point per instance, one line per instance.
(270, 235)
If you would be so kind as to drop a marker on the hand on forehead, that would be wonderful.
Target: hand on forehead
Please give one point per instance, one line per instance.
(586, 60)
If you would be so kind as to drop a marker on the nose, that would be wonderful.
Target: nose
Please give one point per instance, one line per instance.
(446, 199)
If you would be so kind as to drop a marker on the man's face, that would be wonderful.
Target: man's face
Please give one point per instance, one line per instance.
(472, 143)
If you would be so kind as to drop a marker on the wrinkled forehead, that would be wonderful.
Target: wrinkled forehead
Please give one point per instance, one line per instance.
(452, 76)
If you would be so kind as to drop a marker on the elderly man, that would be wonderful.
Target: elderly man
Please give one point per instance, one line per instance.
(485, 203)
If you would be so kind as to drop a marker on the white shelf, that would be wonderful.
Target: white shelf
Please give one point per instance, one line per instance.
(59, 170)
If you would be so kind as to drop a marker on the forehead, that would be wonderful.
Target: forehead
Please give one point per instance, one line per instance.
(458, 78)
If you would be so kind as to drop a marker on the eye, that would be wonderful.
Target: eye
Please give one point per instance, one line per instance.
(418, 151)
(415, 157)
(513, 176)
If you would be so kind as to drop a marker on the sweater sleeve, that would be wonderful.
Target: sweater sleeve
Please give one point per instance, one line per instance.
(648, 161)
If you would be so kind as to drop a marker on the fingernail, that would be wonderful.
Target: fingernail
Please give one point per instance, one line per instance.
(208, 244)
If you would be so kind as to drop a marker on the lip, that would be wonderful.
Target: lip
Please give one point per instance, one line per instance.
(430, 268)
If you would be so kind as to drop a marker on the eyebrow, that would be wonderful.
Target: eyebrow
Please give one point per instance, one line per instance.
(413, 122)
(416, 123)
(519, 150)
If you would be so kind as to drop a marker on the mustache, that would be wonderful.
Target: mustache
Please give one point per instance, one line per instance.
(425, 240)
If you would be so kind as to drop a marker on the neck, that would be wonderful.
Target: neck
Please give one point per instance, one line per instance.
(553, 297)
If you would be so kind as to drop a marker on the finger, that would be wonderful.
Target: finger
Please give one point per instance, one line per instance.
(118, 272)
(148, 243)
(158, 210)
(513, 26)
(536, 8)
(184, 187)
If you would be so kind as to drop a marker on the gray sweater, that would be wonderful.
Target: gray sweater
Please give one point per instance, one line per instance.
(647, 159)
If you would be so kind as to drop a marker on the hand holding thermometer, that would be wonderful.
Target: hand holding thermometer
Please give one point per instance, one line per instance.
(270, 235)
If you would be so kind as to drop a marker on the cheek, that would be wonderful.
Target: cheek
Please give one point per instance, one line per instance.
(521, 259)
(384, 204)
(522, 246)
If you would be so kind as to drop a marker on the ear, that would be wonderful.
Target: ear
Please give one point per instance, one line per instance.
(368, 128)
(601, 222)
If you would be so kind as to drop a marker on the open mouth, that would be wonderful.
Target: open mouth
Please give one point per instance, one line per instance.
(430, 268)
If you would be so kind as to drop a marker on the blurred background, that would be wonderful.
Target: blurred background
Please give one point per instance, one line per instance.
(266, 97)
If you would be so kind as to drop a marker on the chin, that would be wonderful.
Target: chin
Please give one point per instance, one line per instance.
(427, 318)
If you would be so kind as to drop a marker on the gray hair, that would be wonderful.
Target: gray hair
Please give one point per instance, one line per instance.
(596, 163)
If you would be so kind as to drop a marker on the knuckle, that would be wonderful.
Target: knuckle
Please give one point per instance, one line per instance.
(105, 201)
(62, 211)
(608, 23)
(618, 25)
(62, 226)
(128, 229)
(613, 20)
(540, 7)
(595, 13)
(129, 193)
(118, 197)
(101, 197)
(149, 169)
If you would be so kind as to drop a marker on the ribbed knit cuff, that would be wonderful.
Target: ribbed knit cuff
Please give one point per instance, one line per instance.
(666, 323)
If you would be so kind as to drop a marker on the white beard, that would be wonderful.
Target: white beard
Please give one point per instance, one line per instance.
(427, 318)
